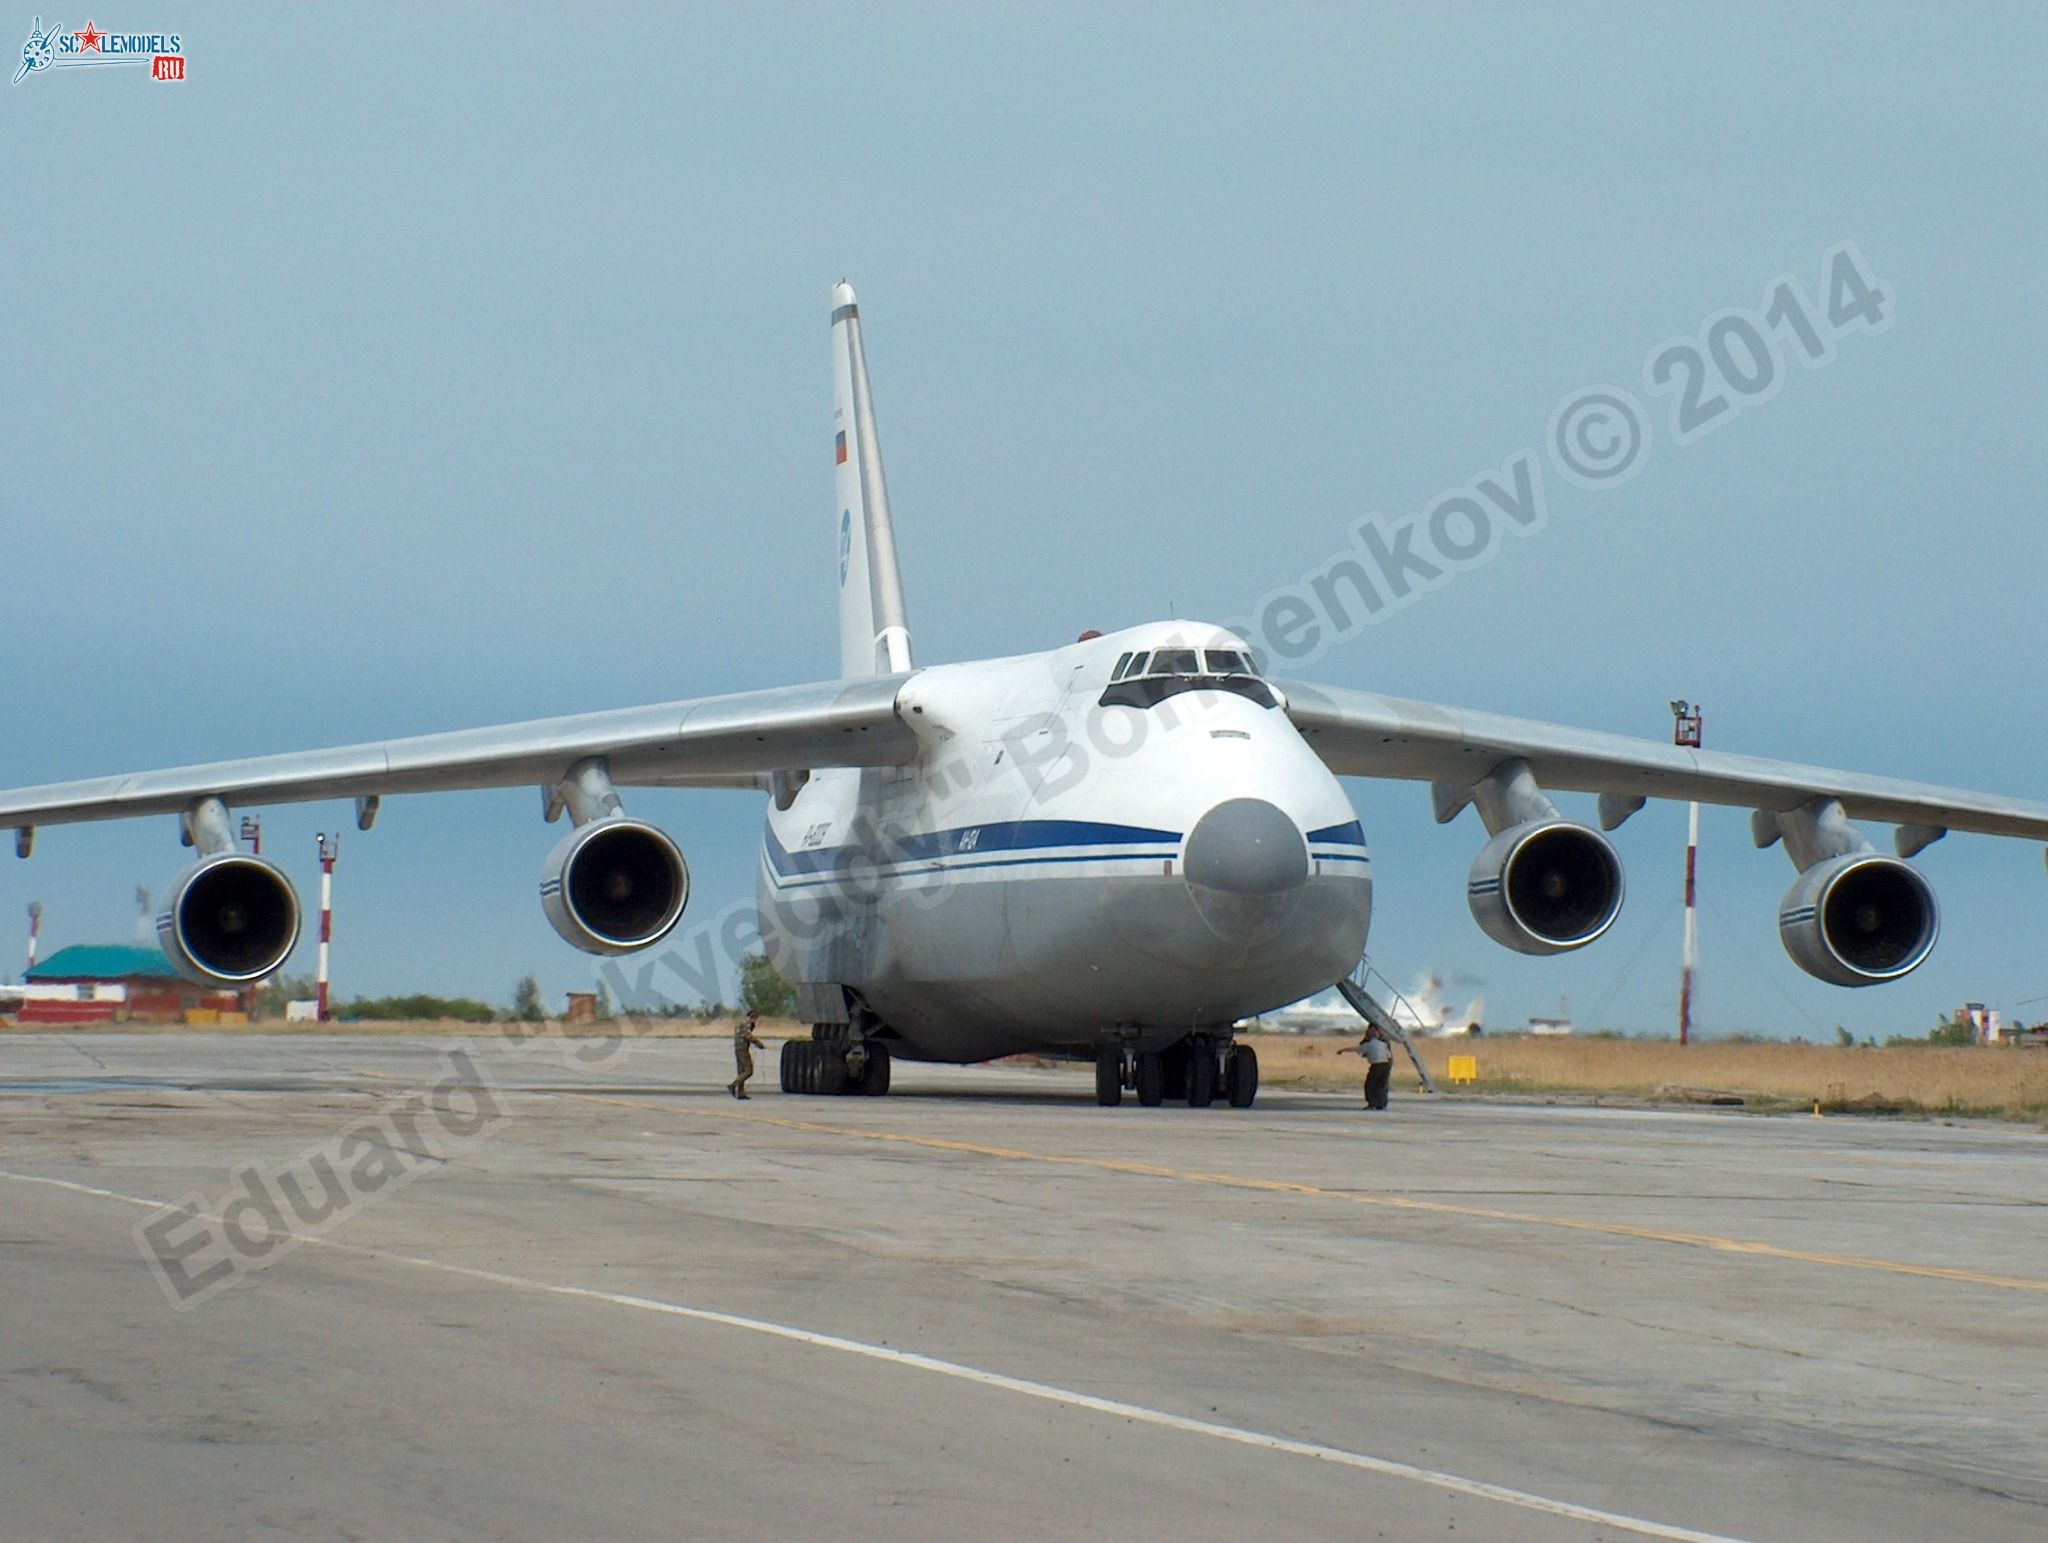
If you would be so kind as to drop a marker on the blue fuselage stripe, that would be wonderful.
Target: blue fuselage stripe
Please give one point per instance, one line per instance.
(1003, 844)
(1339, 835)
(996, 837)
(929, 866)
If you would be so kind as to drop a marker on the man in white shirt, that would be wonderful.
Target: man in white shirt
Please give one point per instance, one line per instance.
(1378, 1056)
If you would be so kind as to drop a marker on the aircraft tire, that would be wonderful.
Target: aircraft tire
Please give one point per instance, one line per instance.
(1241, 1076)
(1151, 1079)
(831, 1069)
(1201, 1073)
(807, 1066)
(1174, 1061)
(787, 1070)
(874, 1077)
(1109, 1078)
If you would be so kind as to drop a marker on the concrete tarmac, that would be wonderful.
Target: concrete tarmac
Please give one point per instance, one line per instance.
(617, 1304)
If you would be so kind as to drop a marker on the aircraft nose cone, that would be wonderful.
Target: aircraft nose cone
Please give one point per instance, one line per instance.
(1246, 846)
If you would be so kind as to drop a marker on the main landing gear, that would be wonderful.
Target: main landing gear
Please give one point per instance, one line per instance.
(1197, 1069)
(835, 1061)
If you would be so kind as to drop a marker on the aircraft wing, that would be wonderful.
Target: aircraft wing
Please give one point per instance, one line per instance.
(731, 741)
(1360, 734)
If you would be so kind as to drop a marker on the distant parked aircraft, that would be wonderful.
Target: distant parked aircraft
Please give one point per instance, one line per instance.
(1419, 1012)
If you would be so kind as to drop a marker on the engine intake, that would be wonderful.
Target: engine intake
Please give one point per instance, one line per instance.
(229, 920)
(1545, 887)
(1859, 919)
(614, 885)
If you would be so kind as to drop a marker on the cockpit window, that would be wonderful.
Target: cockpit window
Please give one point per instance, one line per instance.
(1122, 659)
(1146, 680)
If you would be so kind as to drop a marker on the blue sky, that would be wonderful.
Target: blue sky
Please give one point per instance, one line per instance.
(416, 370)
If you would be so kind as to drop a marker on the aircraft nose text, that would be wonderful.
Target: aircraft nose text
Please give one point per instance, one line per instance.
(1246, 846)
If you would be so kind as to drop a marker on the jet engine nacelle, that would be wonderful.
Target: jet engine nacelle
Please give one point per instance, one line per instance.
(614, 885)
(1545, 886)
(1859, 919)
(228, 920)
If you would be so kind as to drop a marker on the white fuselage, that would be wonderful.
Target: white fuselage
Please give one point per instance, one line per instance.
(1054, 873)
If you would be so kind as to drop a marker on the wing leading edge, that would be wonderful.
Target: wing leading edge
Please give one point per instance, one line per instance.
(730, 740)
(1360, 734)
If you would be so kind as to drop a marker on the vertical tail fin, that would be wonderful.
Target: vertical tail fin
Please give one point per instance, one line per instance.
(874, 632)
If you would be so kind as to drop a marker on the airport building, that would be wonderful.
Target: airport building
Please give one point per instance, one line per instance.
(109, 983)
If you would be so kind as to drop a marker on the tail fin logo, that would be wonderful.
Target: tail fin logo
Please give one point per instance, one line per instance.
(845, 543)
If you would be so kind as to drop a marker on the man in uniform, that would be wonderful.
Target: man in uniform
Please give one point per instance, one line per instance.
(1378, 1056)
(744, 1043)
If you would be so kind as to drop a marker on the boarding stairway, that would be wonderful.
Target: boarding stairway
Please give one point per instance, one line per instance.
(1355, 989)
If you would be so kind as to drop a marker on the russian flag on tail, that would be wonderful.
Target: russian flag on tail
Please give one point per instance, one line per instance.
(839, 448)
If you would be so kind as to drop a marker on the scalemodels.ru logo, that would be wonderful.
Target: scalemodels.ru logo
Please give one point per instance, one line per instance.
(58, 50)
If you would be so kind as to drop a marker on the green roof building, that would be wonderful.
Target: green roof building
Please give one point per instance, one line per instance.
(112, 982)
(104, 961)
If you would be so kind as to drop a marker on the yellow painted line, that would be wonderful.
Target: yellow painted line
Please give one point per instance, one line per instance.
(1705, 1240)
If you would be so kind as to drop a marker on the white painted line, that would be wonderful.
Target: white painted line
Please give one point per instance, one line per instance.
(1436, 1479)
(80, 1189)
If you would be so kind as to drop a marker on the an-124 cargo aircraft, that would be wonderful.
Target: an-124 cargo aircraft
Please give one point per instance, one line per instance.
(1111, 851)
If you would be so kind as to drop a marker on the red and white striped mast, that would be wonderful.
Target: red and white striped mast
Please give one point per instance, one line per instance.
(330, 848)
(35, 928)
(1685, 733)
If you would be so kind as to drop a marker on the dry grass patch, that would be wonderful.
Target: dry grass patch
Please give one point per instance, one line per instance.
(2004, 1083)
(2011, 1084)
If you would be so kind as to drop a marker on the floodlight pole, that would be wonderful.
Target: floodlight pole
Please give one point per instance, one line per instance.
(1685, 733)
(330, 848)
(252, 832)
(35, 927)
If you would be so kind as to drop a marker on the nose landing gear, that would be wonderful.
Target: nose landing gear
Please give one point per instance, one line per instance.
(1196, 1069)
(1241, 1076)
(1150, 1077)
(1109, 1077)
